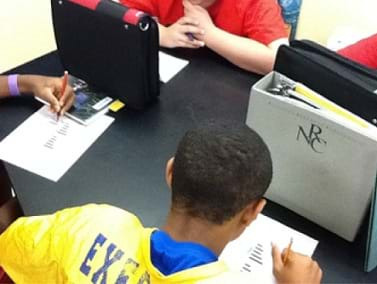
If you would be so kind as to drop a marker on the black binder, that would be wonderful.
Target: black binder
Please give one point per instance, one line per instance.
(111, 47)
(346, 83)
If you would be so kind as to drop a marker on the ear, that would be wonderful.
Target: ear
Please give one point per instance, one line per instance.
(169, 171)
(252, 210)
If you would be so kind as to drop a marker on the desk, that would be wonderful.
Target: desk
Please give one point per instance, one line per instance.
(125, 166)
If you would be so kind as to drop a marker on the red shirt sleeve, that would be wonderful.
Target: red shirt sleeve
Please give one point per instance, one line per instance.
(264, 22)
(147, 6)
(363, 51)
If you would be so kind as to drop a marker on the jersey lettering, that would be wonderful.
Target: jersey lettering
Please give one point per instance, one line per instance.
(108, 262)
(100, 240)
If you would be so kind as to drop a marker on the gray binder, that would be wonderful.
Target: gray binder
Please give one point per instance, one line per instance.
(324, 164)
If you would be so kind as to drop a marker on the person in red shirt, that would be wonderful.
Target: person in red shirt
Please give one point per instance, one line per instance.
(363, 51)
(245, 32)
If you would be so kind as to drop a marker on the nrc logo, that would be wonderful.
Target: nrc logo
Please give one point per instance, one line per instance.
(312, 138)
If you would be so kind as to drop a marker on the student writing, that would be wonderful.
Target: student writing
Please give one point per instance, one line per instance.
(217, 180)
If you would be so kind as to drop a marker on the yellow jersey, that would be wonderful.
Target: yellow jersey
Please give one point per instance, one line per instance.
(91, 244)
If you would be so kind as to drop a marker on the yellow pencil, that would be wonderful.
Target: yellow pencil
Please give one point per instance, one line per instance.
(288, 251)
(64, 86)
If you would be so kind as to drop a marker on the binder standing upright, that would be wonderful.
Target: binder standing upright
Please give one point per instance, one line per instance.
(112, 47)
(347, 84)
(352, 87)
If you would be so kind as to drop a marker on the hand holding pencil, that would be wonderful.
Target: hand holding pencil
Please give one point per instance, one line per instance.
(49, 90)
(292, 267)
(287, 251)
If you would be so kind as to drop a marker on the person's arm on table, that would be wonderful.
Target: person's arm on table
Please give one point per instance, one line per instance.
(44, 87)
(243, 52)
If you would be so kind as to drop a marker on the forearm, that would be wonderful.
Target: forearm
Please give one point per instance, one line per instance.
(24, 83)
(162, 32)
(4, 90)
(243, 52)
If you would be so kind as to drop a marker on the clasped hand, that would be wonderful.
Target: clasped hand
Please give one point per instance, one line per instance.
(189, 31)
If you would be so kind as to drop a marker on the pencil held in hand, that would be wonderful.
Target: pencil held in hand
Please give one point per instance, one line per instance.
(190, 36)
(286, 255)
(64, 86)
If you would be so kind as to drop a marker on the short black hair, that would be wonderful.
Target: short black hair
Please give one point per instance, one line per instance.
(218, 170)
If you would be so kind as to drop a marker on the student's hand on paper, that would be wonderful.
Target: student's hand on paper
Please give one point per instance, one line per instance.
(298, 268)
(181, 34)
(48, 89)
(200, 15)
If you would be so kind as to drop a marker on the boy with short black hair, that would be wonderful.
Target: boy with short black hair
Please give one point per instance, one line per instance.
(217, 178)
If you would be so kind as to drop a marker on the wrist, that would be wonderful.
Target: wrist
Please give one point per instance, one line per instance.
(13, 87)
(162, 35)
(25, 84)
(211, 35)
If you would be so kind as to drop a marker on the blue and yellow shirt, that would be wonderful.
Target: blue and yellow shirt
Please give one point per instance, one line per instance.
(99, 244)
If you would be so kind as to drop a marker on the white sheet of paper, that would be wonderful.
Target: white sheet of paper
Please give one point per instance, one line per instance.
(251, 252)
(169, 66)
(48, 147)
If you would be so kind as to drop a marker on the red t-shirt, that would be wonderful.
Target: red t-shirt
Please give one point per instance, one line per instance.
(260, 20)
(363, 51)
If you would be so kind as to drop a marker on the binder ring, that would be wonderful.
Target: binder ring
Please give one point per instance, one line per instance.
(143, 26)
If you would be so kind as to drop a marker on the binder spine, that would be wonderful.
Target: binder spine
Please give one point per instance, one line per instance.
(127, 15)
(90, 4)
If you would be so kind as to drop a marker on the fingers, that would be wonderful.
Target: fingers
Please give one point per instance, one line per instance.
(298, 268)
(51, 94)
(186, 42)
(47, 95)
(188, 39)
(320, 274)
(317, 271)
(192, 30)
(276, 257)
(66, 105)
(66, 100)
(187, 4)
(183, 34)
(187, 21)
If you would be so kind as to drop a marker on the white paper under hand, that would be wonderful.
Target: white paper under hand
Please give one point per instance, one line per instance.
(48, 147)
(251, 252)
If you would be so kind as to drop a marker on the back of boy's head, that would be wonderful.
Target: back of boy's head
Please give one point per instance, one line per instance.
(219, 170)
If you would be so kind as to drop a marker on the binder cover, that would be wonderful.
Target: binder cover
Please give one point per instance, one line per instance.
(371, 250)
(324, 165)
(111, 47)
(343, 81)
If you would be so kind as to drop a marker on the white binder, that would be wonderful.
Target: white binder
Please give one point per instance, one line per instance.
(324, 163)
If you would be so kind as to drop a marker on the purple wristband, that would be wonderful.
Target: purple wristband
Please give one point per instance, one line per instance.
(12, 85)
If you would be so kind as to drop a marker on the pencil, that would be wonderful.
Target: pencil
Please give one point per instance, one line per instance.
(190, 36)
(64, 86)
(288, 251)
